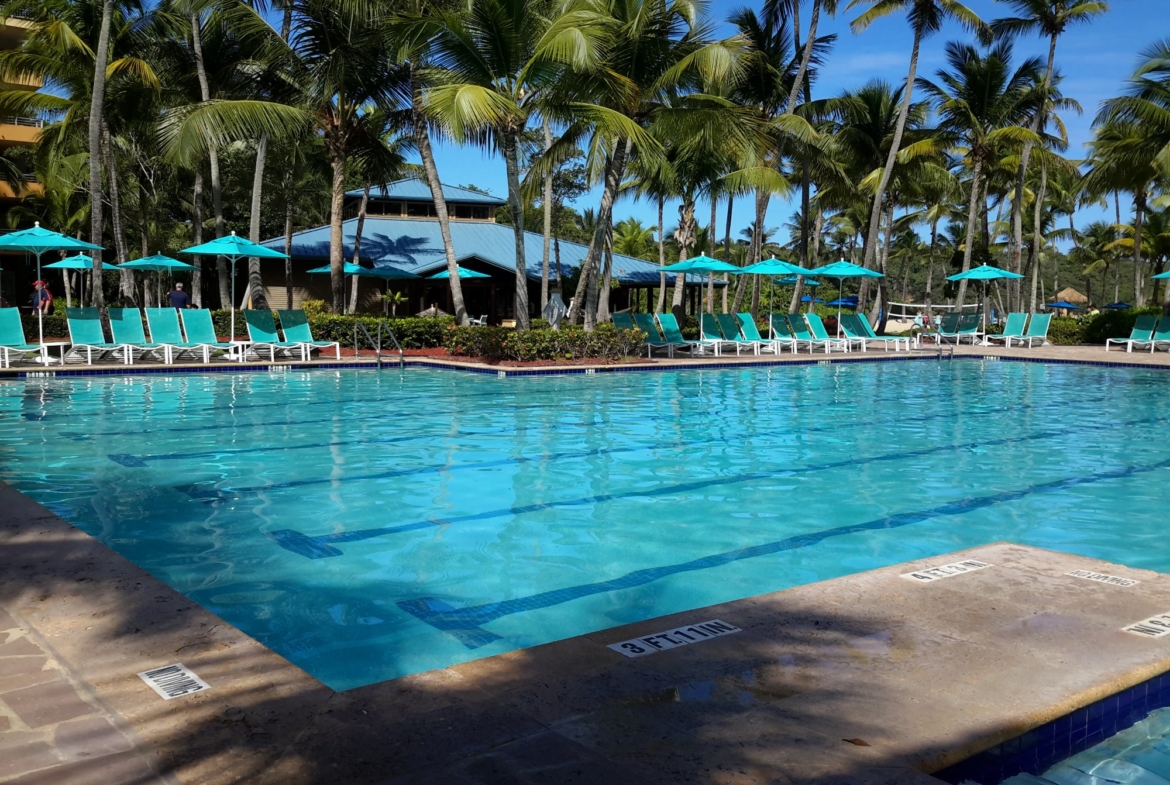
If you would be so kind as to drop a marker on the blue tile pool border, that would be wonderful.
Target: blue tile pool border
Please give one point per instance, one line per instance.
(1041, 748)
(510, 372)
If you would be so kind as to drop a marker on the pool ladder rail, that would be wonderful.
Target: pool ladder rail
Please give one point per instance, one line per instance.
(377, 345)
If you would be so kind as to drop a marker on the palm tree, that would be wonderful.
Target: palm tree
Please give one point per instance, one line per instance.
(1046, 18)
(500, 58)
(984, 105)
(926, 17)
(631, 238)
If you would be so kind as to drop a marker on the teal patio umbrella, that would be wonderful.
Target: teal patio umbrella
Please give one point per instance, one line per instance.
(385, 273)
(36, 241)
(790, 280)
(773, 266)
(233, 248)
(463, 272)
(701, 264)
(1162, 276)
(984, 273)
(842, 270)
(79, 262)
(157, 263)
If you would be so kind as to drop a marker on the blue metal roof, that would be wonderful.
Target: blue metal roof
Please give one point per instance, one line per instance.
(417, 191)
(417, 247)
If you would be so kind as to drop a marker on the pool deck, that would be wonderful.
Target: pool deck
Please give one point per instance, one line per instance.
(870, 679)
(1067, 354)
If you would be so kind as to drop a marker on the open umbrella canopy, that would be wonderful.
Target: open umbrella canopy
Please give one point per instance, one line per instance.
(809, 299)
(1063, 304)
(702, 264)
(79, 262)
(774, 267)
(37, 240)
(463, 273)
(1117, 306)
(1162, 276)
(845, 269)
(844, 302)
(984, 272)
(156, 263)
(385, 273)
(790, 280)
(234, 248)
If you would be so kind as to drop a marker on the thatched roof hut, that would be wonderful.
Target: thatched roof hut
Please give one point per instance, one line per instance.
(1070, 295)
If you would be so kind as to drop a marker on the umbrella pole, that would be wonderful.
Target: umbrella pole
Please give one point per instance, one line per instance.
(40, 313)
(232, 304)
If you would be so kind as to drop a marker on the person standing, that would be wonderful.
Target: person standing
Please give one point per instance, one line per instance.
(42, 299)
(179, 299)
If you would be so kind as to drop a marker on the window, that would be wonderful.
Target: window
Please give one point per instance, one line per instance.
(470, 211)
(420, 209)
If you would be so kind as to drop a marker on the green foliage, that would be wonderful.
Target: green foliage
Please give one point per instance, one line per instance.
(314, 308)
(412, 333)
(568, 343)
(55, 326)
(1066, 331)
(1115, 324)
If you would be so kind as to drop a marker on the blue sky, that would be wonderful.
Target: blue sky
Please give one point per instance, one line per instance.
(1094, 59)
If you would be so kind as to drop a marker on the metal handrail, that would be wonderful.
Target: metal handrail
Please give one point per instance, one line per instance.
(377, 345)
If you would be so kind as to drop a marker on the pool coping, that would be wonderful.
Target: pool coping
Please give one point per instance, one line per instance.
(977, 353)
(829, 664)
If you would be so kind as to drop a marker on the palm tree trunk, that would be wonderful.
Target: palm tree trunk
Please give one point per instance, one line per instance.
(255, 279)
(686, 236)
(511, 149)
(875, 217)
(755, 247)
(606, 277)
(1021, 174)
(357, 246)
(126, 288)
(661, 307)
(197, 237)
(882, 302)
(711, 249)
(1139, 208)
(548, 180)
(288, 233)
(972, 219)
(1037, 237)
(213, 161)
(96, 117)
(422, 140)
(587, 290)
(727, 251)
(336, 239)
(930, 266)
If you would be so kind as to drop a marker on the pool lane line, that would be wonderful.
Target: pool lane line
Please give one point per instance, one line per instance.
(466, 624)
(322, 546)
(201, 491)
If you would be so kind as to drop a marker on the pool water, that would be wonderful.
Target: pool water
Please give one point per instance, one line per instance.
(370, 524)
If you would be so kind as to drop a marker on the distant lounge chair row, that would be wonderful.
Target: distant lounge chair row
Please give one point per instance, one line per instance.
(957, 327)
(738, 331)
(1149, 332)
(168, 340)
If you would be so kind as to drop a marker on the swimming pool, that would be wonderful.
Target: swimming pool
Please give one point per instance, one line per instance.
(371, 524)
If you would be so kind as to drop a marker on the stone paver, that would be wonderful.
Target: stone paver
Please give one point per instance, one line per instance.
(47, 704)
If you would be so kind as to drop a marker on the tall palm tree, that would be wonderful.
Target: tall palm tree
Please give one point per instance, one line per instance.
(925, 17)
(500, 58)
(1046, 18)
(984, 106)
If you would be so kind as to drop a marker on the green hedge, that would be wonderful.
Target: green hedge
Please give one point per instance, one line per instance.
(1066, 331)
(567, 343)
(1115, 324)
(55, 327)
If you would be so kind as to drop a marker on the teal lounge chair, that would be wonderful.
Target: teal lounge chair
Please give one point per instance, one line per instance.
(673, 333)
(624, 321)
(948, 325)
(645, 323)
(200, 330)
(711, 335)
(871, 335)
(732, 332)
(262, 334)
(966, 326)
(1037, 334)
(748, 325)
(1142, 334)
(165, 330)
(86, 335)
(296, 330)
(1014, 328)
(1161, 337)
(126, 325)
(821, 335)
(799, 330)
(12, 343)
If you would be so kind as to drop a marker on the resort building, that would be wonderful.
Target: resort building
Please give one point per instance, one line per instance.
(402, 230)
(16, 132)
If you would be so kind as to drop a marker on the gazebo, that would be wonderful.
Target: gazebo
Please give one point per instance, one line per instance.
(1070, 295)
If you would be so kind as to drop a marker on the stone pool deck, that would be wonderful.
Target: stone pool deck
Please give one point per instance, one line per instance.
(871, 679)
(1074, 354)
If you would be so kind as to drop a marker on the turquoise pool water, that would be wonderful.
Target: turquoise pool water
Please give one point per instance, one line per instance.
(368, 525)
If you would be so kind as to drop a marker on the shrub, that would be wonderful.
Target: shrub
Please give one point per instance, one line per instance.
(1066, 331)
(55, 326)
(567, 343)
(412, 332)
(1115, 324)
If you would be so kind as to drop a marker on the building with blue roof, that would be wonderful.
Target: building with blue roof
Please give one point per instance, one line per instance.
(401, 231)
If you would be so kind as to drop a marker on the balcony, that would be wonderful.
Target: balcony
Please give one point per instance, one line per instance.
(19, 130)
(7, 194)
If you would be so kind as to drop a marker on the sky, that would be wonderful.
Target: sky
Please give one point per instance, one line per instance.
(1094, 59)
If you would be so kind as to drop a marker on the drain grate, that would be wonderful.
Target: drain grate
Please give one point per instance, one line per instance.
(174, 681)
